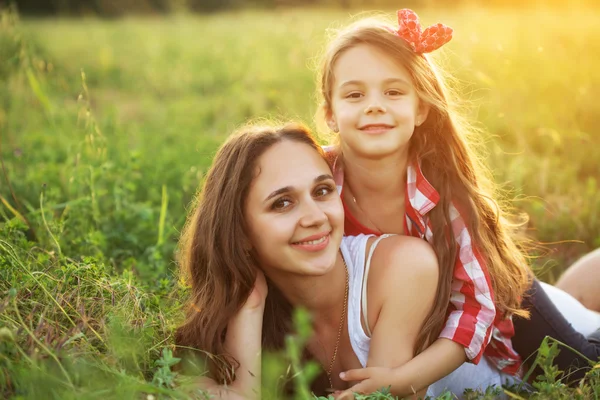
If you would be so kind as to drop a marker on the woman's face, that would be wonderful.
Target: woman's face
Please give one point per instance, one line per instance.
(294, 215)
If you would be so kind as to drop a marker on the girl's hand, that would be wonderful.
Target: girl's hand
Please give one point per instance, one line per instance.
(369, 379)
(258, 294)
(343, 395)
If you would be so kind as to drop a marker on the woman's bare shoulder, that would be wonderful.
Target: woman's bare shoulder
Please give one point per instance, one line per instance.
(401, 263)
(400, 254)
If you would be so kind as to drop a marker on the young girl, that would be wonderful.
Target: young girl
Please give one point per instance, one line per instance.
(403, 164)
(269, 204)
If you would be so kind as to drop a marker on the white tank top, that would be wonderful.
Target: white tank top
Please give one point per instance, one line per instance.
(358, 262)
(466, 376)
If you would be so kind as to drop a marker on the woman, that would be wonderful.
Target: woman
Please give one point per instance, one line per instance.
(269, 204)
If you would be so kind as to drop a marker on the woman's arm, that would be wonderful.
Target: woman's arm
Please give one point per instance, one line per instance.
(243, 343)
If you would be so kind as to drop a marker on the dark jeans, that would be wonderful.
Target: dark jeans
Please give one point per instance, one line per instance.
(546, 320)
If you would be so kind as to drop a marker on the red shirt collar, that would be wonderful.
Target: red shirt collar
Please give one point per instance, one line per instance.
(420, 193)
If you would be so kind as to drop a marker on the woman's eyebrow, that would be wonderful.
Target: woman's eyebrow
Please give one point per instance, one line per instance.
(277, 192)
(322, 178)
(287, 189)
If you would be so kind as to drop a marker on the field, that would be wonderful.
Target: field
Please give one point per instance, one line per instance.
(107, 127)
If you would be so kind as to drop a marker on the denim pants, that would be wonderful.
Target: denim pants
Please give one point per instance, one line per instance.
(547, 319)
(554, 313)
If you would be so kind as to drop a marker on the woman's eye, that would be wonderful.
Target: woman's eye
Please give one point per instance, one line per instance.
(323, 191)
(281, 204)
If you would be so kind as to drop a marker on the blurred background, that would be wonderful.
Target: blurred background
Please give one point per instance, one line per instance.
(109, 108)
(111, 112)
(111, 8)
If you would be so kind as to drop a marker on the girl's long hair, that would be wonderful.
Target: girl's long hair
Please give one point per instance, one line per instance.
(443, 147)
(213, 253)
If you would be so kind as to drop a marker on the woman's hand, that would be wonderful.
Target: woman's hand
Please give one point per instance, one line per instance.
(243, 342)
(258, 295)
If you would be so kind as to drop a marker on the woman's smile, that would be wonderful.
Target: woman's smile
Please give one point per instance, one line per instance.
(313, 243)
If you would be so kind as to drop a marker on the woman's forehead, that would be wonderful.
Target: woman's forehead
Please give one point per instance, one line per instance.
(289, 163)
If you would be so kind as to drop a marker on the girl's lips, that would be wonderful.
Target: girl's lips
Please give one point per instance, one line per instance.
(313, 245)
(376, 129)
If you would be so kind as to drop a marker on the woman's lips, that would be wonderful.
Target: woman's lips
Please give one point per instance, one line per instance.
(313, 243)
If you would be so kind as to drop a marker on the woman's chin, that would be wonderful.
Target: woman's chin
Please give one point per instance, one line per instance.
(321, 265)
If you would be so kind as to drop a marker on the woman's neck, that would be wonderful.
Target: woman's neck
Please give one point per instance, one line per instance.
(322, 296)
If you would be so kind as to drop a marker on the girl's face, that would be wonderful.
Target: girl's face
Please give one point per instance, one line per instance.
(294, 215)
(374, 103)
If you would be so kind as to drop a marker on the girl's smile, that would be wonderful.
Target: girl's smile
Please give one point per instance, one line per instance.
(374, 103)
(376, 129)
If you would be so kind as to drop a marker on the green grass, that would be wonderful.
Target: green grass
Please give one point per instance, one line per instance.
(107, 128)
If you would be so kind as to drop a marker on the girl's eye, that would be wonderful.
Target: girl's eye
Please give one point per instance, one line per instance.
(322, 191)
(394, 92)
(281, 204)
(354, 95)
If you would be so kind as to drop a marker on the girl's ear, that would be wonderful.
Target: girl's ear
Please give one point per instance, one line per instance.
(422, 112)
(330, 119)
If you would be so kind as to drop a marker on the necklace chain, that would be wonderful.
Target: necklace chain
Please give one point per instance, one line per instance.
(340, 329)
(361, 210)
(365, 214)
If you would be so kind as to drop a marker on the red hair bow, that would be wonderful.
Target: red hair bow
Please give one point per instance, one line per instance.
(422, 41)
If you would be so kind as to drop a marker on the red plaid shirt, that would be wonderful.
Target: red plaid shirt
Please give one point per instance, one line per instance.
(472, 320)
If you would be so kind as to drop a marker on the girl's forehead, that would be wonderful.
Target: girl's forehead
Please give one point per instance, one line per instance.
(367, 62)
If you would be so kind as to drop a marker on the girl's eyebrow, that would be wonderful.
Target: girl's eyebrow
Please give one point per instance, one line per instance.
(396, 80)
(386, 82)
(287, 189)
(349, 83)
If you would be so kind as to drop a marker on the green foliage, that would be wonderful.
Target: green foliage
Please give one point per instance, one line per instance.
(163, 376)
(107, 129)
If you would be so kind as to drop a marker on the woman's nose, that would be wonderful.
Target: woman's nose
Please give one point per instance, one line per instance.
(312, 214)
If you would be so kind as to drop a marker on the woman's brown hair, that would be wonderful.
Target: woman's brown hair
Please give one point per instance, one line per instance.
(214, 256)
(443, 146)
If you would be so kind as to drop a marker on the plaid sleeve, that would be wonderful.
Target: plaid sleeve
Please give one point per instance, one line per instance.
(472, 311)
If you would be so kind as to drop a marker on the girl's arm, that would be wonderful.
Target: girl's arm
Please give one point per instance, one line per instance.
(465, 335)
(437, 361)
(243, 343)
(402, 286)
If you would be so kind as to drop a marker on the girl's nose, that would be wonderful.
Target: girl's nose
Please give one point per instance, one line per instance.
(375, 108)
